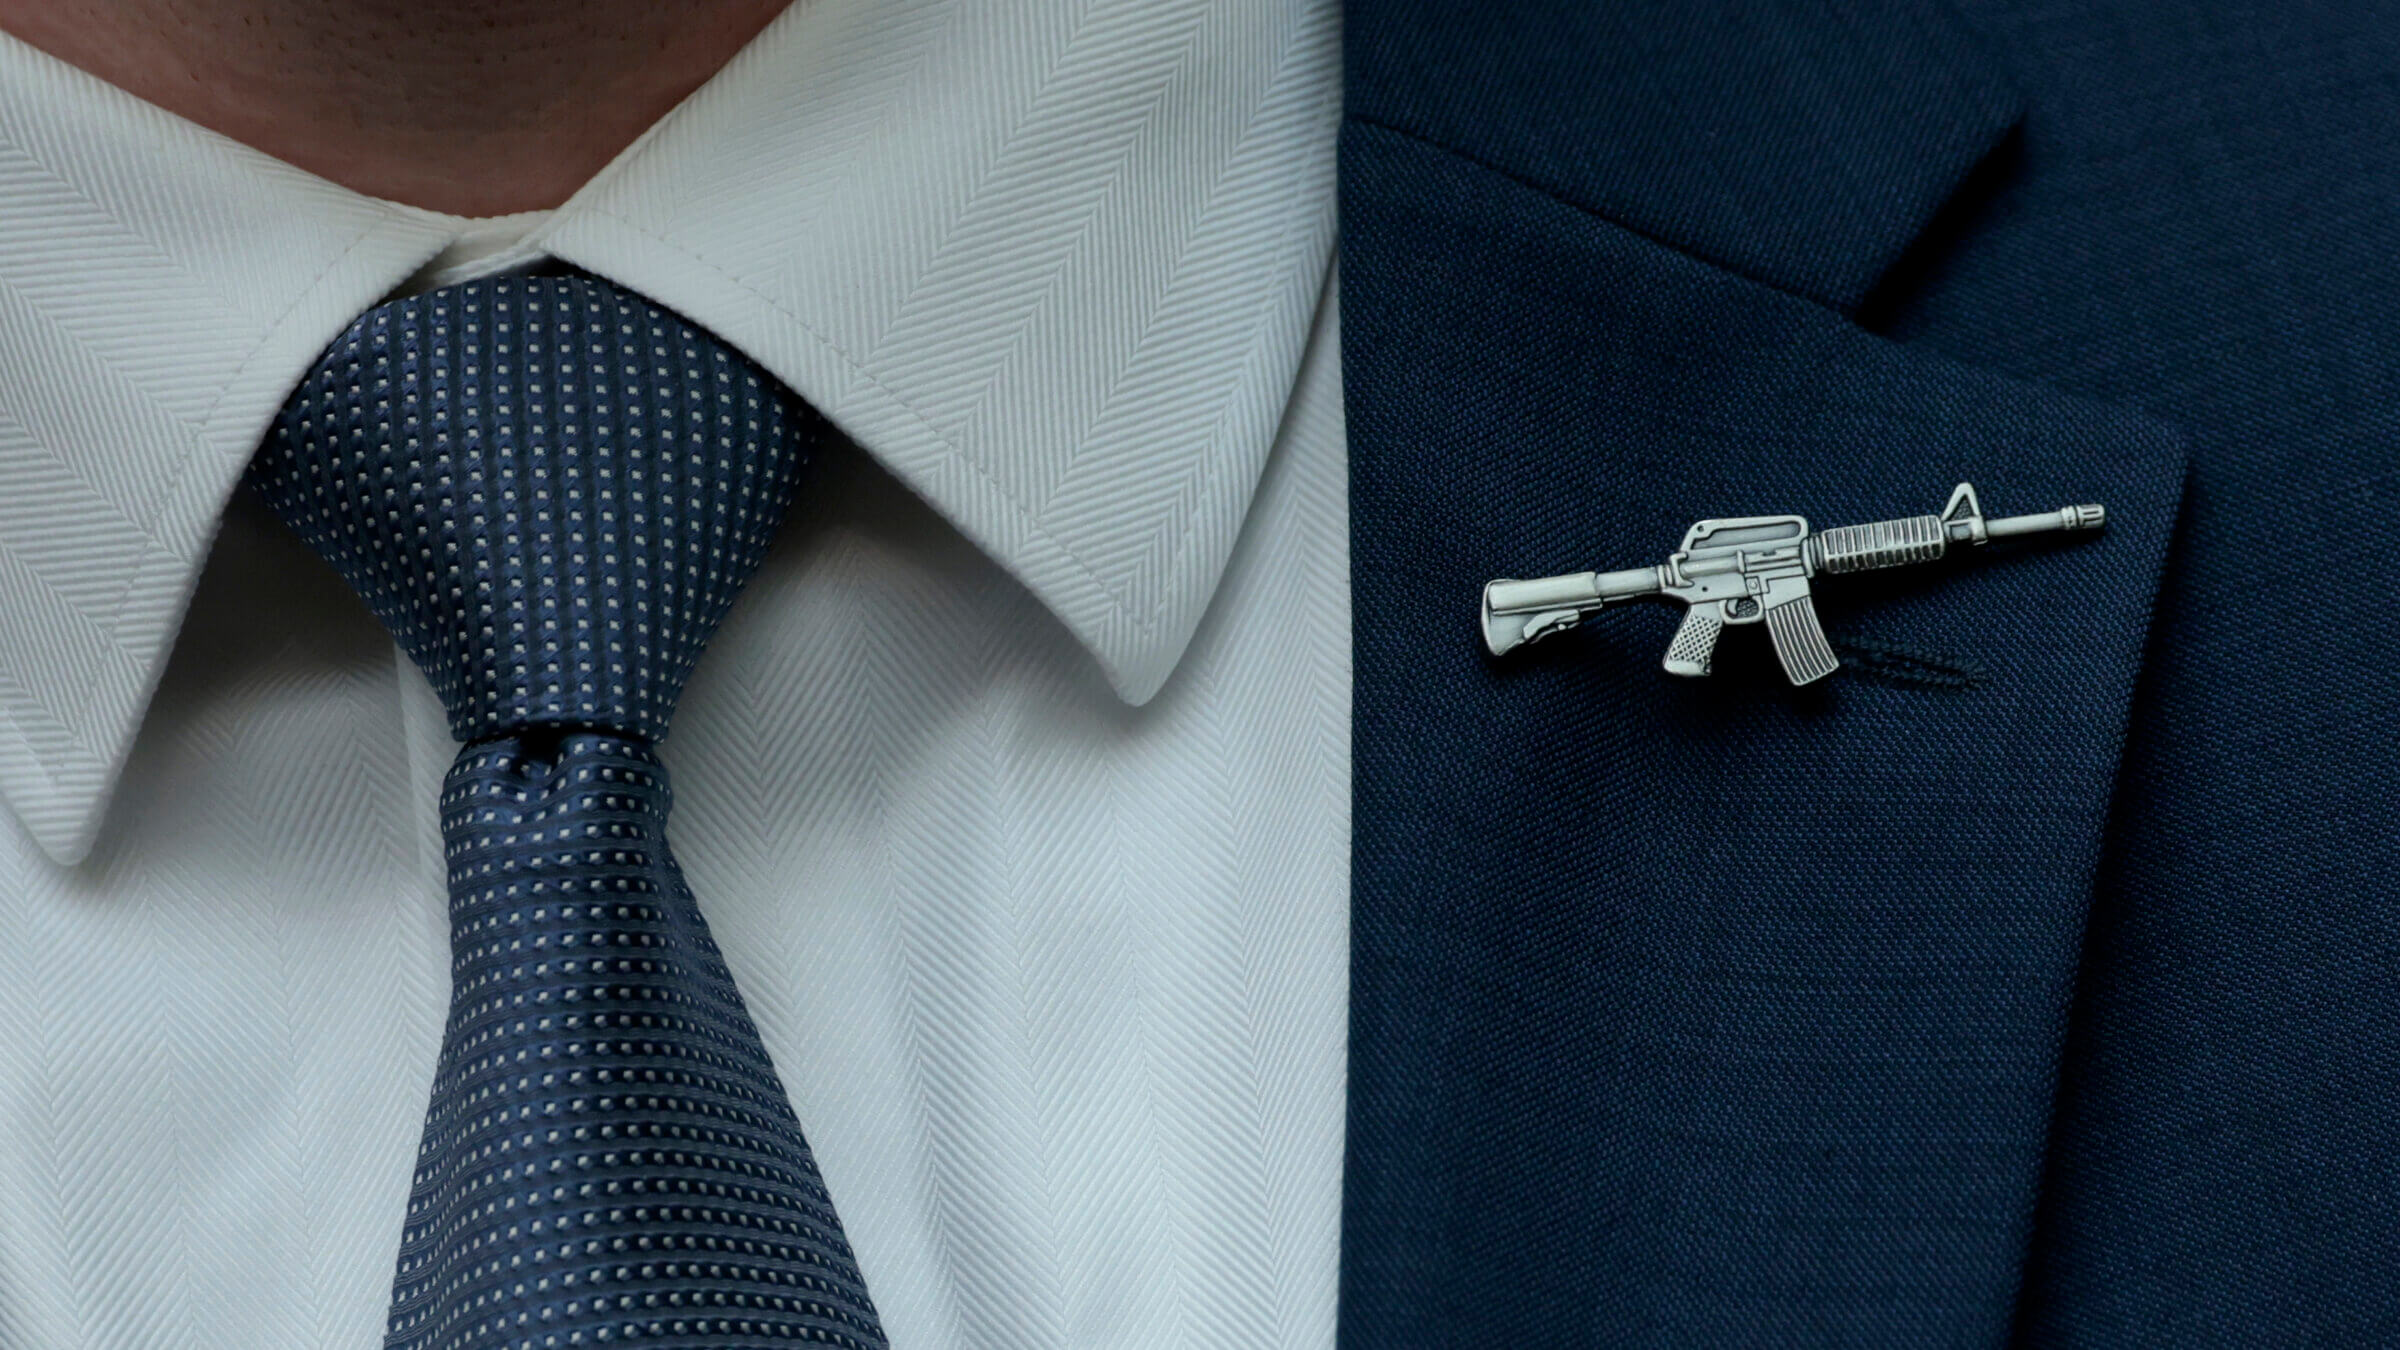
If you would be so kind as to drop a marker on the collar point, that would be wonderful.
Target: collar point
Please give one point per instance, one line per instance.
(62, 819)
(1138, 658)
(1138, 681)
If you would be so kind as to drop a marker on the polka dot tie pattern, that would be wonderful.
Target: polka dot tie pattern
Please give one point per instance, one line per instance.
(551, 492)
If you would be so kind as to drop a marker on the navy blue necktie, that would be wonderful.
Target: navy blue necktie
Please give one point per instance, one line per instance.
(551, 491)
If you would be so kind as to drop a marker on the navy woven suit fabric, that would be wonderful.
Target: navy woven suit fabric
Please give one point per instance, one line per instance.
(551, 491)
(2032, 981)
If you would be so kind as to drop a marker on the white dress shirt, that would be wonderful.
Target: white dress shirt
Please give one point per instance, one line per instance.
(1016, 788)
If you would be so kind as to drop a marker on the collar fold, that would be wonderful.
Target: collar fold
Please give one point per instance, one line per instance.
(1053, 265)
(161, 288)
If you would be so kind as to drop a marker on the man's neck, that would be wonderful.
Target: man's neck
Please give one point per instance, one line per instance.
(475, 107)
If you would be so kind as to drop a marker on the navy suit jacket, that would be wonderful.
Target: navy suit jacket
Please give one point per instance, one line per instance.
(2032, 981)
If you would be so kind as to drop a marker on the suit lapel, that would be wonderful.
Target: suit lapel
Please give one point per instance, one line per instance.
(1711, 1012)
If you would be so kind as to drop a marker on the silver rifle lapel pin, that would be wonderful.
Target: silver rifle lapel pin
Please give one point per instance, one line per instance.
(1755, 569)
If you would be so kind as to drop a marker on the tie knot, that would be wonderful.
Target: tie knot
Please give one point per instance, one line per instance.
(549, 489)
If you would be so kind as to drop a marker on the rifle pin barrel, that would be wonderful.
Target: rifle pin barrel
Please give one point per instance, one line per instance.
(2086, 517)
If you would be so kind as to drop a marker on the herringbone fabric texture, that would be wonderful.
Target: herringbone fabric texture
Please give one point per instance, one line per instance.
(551, 492)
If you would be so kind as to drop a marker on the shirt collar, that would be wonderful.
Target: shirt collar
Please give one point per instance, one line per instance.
(1053, 265)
